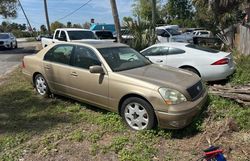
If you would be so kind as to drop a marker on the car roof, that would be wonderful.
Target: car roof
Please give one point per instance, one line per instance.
(101, 44)
(73, 29)
(172, 44)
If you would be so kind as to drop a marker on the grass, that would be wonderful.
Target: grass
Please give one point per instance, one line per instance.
(242, 74)
(33, 128)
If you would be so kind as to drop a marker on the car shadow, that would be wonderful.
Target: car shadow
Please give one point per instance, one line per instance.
(20, 50)
(22, 110)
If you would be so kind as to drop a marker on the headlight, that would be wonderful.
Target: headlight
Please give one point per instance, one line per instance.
(172, 96)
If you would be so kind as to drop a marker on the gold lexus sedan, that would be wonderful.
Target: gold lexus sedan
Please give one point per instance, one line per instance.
(117, 78)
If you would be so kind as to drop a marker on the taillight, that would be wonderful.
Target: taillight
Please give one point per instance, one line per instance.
(23, 65)
(221, 61)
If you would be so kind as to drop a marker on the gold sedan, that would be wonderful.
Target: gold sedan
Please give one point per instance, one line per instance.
(117, 78)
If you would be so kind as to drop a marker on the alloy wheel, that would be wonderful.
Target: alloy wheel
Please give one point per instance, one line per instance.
(136, 116)
(41, 85)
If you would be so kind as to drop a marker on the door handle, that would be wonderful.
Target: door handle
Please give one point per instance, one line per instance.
(159, 61)
(74, 74)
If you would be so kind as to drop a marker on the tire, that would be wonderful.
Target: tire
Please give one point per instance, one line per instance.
(41, 86)
(138, 114)
(16, 46)
(193, 70)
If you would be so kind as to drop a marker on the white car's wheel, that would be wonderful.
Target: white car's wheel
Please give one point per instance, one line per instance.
(138, 114)
(41, 85)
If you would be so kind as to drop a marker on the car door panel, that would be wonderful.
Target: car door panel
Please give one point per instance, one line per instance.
(56, 67)
(85, 85)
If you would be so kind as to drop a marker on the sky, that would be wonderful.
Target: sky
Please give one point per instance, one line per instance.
(100, 10)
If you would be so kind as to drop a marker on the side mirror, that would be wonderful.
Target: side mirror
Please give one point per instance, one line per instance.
(96, 69)
(62, 38)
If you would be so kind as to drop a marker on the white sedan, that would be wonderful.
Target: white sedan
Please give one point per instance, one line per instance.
(208, 63)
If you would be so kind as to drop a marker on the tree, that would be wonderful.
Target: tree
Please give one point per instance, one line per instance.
(43, 29)
(77, 26)
(55, 25)
(86, 25)
(69, 24)
(179, 12)
(116, 20)
(8, 8)
(142, 9)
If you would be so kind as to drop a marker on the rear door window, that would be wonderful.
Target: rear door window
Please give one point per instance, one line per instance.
(60, 54)
(84, 58)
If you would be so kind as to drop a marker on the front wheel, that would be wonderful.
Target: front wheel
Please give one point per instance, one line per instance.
(41, 86)
(138, 114)
(16, 46)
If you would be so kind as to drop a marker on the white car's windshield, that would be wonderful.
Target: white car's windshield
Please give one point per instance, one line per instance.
(123, 58)
(79, 35)
(4, 36)
(173, 32)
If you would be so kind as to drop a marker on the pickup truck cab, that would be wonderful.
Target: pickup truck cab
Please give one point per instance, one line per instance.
(70, 35)
(169, 34)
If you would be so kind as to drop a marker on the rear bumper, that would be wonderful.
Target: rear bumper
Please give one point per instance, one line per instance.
(218, 72)
(178, 120)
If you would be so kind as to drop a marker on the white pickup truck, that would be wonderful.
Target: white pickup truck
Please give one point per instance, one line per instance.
(70, 35)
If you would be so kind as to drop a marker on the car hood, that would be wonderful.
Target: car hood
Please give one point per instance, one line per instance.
(163, 76)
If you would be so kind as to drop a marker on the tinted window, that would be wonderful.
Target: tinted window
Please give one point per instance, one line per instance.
(85, 57)
(204, 32)
(123, 58)
(4, 36)
(202, 48)
(57, 34)
(160, 32)
(59, 54)
(104, 35)
(173, 32)
(79, 35)
(63, 34)
(156, 51)
(175, 51)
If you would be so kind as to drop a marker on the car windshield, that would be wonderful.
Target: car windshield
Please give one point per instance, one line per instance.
(104, 34)
(79, 35)
(123, 58)
(4, 36)
(173, 32)
(202, 48)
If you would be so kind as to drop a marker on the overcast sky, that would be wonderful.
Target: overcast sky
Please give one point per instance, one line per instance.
(100, 10)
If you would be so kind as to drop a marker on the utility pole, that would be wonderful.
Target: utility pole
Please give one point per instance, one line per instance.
(25, 16)
(47, 16)
(116, 20)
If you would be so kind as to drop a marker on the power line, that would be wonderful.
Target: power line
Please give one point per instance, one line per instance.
(74, 10)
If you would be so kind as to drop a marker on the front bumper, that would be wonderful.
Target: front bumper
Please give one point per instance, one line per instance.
(5, 45)
(178, 120)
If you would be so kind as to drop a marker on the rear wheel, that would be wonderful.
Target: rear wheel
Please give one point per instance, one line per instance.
(41, 86)
(138, 114)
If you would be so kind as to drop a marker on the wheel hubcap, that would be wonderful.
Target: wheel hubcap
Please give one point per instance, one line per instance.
(41, 86)
(136, 116)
